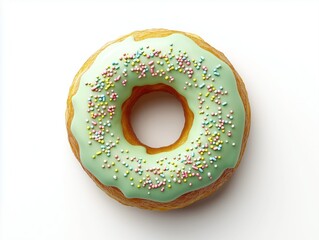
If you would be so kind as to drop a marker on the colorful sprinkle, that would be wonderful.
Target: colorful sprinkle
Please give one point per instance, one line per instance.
(216, 125)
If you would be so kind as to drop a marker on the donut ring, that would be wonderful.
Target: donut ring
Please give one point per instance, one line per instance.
(132, 176)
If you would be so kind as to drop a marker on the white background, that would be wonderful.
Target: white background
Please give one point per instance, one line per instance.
(274, 194)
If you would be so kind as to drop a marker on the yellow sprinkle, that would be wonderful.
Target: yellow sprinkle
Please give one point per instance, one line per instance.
(116, 170)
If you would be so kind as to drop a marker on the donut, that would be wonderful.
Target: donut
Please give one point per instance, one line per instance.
(216, 111)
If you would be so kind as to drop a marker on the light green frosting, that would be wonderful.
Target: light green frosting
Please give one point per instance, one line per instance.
(191, 166)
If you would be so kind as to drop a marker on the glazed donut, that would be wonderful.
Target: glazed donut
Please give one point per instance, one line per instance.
(214, 136)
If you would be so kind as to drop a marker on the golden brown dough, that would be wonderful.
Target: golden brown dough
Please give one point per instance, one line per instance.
(187, 198)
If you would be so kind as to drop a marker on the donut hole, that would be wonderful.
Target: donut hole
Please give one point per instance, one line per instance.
(157, 119)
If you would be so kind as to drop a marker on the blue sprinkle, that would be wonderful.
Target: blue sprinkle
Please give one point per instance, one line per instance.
(202, 85)
(201, 170)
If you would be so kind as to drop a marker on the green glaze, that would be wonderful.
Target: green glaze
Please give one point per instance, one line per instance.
(191, 166)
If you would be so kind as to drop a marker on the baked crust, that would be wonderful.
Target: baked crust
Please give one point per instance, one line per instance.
(187, 198)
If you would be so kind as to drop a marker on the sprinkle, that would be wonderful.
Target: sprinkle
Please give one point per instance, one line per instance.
(202, 85)
(200, 156)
